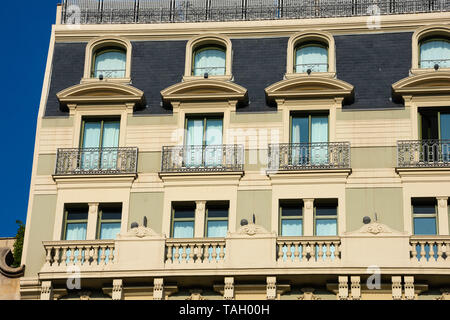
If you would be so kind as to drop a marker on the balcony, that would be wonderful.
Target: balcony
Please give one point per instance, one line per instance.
(203, 159)
(170, 11)
(423, 154)
(254, 250)
(96, 161)
(309, 156)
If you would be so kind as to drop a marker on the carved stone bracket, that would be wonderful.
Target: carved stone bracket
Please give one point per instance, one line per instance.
(140, 232)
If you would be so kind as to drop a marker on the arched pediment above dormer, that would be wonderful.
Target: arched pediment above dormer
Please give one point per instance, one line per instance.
(100, 93)
(204, 89)
(437, 82)
(309, 87)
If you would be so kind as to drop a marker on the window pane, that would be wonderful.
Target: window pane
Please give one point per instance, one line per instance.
(424, 209)
(76, 231)
(435, 52)
(300, 130)
(311, 57)
(322, 210)
(211, 61)
(217, 212)
(424, 226)
(111, 215)
(184, 213)
(110, 64)
(109, 230)
(183, 229)
(217, 229)
(291, 227)
(290, 211)
(326, 227)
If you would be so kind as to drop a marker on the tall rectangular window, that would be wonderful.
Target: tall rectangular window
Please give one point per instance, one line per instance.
(203, 142)
(109, 221)
(183, 220)
(216, 219)
(99, 139)
(424, 216)
(291, 218)
(309, 129)
(75, 222)
(435, 125)
(325, 217)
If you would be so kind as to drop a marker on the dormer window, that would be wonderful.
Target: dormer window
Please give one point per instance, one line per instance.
(435, 53)
(209, 60)
(311, 57)
(109, 63)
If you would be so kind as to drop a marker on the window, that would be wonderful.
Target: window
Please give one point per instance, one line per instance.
(183, 220)
(216, 220)
(312, 57)
(424, 216)
(99, 142)
(434, 51)
(325, 217)
(435, 125)
(308, 131)
(109, 62)
(291, 218)
(75, 222)
(209, 59)
(110, 219)
(203, 141)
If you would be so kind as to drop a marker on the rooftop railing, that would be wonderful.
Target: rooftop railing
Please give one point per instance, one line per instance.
(162, 11)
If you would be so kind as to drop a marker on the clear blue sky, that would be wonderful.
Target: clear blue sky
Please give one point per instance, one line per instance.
(25, 28)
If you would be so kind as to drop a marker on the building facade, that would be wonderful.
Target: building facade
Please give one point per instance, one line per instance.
(242, 150)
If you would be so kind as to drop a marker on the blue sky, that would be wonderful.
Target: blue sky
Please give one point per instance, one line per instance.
(26, 28)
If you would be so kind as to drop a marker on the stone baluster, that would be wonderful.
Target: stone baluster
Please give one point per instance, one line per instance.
(95, 258)
(222, 252)
(431, 253)
(169, 253)
(312, 252)
(72, 255)
(306, 248)
(207, 253)
(336, 250)
(56, 257)
(413, 251)
(328, 252)
(64, 256)
(280, 251)
(289, 252)
(440, 245)
(321, 244)
(184, 253)
(103, 255)
(191, 253)
(48, 257)
(214, 252)
(111, 255)
(296, 252)
(422, 251)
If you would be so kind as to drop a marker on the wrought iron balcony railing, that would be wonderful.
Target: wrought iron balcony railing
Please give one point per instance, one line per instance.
(314, 67)
(89, 161)
(423, 153)
(309, 156)
(441, 63)
(215, 158)
(108, 74)
(160, 11)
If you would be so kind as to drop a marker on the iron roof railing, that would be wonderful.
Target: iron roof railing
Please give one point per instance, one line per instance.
(163, 11)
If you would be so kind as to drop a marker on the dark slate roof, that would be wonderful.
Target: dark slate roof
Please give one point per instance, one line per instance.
(370, 62)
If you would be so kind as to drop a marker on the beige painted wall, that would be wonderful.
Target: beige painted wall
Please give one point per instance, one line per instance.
(386, 202)
(149, 205)
(41, 229)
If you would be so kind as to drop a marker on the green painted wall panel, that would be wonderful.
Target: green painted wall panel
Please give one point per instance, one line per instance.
(374, 157)
(149, 162)
(386, 202)
(41, 229)
(46, 164)
(372, 114)
(258, 202)
(149, 204)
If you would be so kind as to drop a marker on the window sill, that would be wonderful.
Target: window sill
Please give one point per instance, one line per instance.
(418, 71)
(227, 77)
(304, 74)
(111, 80)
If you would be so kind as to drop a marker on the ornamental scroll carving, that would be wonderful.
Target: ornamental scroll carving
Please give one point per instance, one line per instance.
(141, 232)
(252, 229)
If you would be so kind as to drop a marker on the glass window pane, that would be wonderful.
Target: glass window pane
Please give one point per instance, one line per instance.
(425, 226)
(291, 227)
(213, 132)
(77, 214)
(109, 230)
(184, 213)
(313, 57)
(326, 227)
(322, 210)
(217, 212)
(211, 61)
(300, 130)
(435, 52)
(289, 211)
(424, 209)
(183, 229)
(76, 231)
(110, 64)
(217, 229)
